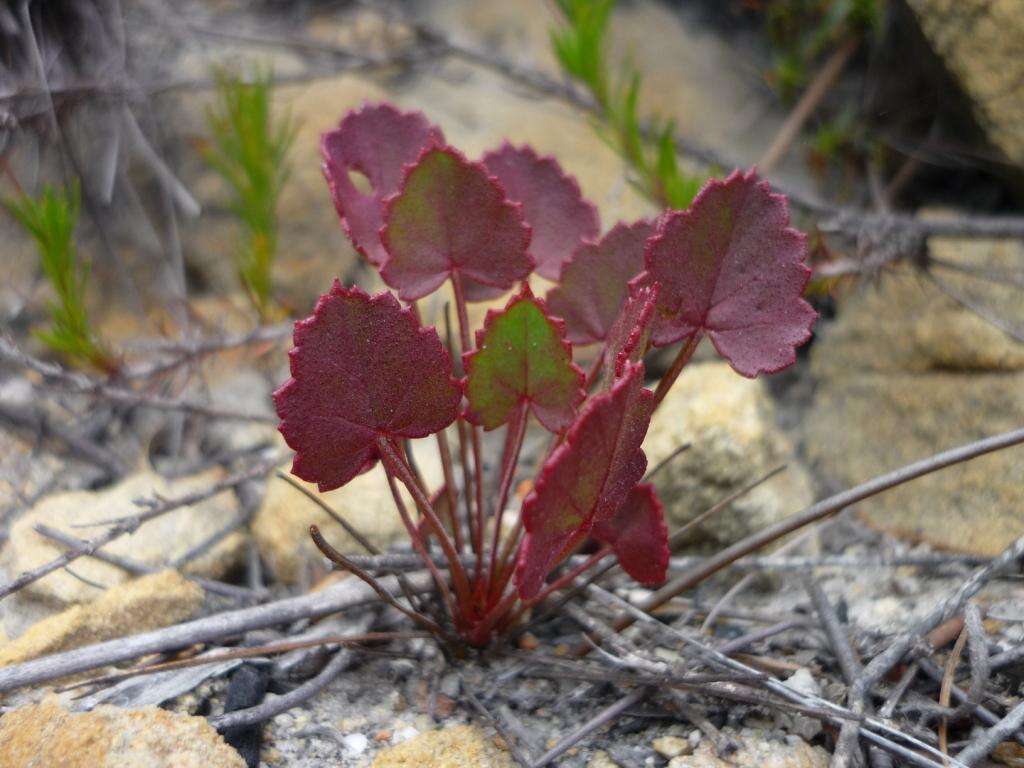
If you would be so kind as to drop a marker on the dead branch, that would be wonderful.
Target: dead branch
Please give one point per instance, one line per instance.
(131, 523)
(81, 384)
(338, 597)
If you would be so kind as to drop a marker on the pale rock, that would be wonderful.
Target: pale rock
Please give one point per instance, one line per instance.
(600, 759)
(756, 750)
(281, 525)
(156, 542)
(803, 682)
(979, 41)
(729, 422)
(690, 75)
(45, 734)
(355, 743)
(147, 603)
(457, 746)
(905, 371)
(905, 324)
(672, 746)
(1010, 754)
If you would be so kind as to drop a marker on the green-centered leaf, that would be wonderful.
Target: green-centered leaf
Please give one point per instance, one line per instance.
(522, 357)
(451, 216)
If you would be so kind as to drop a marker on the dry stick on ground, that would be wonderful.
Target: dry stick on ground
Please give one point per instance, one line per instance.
(604, 717)
(136, 568)
(977, 655)
(77, 445)
(745, 641)
(983, 745)
(1009, 658)
(190, 350)
(849, 664)
(824, 509)
(793, 700)
(82, 384)
(519, 756)
(275, 705)
(944, 687)
(131, 523)
(748, 579)
(880, 666)
(247, 652)
(814, 705)
(339, 597)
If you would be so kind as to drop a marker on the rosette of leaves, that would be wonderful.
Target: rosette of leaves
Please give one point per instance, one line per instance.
(366, 377)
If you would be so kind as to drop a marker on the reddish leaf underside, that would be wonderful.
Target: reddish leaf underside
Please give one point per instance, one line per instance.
(594, 281)
(376, 141)
(522, 356)
(451, 216)
(586, 479)
(639, 536)
(631, 332)
(352, 367)
(552, 203)
(732, 267)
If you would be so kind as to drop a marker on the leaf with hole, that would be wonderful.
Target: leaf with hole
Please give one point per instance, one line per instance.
(522, 358)
(375, 142)
(731, 266)
(586, 479)
(552, 203)
(450, 217)
(352, 365)
(638, 535)
(594, 281)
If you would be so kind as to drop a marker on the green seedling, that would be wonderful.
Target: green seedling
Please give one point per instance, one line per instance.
(50, 220)
(249, 149)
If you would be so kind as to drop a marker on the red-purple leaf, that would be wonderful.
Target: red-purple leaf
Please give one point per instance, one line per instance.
(362, 367)
(639, 536)
(552, 203)
(594, 281)
(376, 141)
(631, 332)
(451, 216)
(732, 267)
(586, 479)
(522, 356)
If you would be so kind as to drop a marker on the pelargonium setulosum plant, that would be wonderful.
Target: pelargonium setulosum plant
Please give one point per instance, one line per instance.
(367, 377)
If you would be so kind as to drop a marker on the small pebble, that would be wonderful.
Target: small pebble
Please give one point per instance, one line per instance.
(601, 760)
(355, 743)
(803, 682)
(672, 746)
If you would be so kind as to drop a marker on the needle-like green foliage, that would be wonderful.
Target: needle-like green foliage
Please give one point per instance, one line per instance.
(580, 46)
(50, 219)
(249, 149)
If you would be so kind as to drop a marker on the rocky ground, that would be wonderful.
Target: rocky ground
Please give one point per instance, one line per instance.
(904, 369)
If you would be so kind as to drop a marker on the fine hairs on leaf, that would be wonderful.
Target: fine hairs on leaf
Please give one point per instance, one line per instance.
(366, 377)
(249, 149)
(50, 220)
